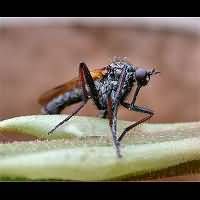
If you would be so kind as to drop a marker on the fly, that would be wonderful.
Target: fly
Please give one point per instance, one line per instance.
(107, 87)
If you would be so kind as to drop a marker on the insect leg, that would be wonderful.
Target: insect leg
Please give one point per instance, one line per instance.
(90, 83)
(112, 116)
(66, 119)
(85, 97)
(137, 109)
(112, 111)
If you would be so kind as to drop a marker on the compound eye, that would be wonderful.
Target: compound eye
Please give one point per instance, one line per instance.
(141, 76)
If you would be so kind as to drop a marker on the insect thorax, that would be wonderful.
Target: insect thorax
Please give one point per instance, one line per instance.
(109, 83)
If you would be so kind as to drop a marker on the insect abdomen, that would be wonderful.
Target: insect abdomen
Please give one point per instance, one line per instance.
(56, 105)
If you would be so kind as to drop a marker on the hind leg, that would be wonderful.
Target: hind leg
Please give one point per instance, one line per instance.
(85, 78)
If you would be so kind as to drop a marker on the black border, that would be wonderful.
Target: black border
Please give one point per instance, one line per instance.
(100, 9)
(102, 190)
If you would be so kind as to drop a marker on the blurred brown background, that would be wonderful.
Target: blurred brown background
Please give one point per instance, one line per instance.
(39, 54)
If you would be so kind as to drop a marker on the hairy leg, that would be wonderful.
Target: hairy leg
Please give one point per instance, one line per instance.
(112, 116)
(112, 111)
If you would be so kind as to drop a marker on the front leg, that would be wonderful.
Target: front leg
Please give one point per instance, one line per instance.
(137, 109)
(112, 116)
(112, 107)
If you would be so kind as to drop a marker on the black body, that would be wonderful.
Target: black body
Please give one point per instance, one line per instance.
(107, 93)
(109, 83)
(59, 103)
(105, 86)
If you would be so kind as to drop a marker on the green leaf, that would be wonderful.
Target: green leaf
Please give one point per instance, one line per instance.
(82, 149)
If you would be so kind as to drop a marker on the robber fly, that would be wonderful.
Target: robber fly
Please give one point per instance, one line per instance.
(107, 87)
